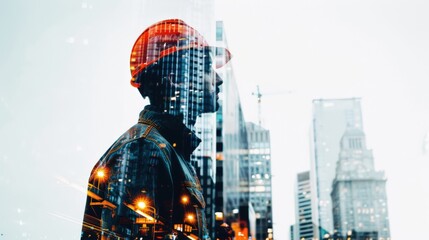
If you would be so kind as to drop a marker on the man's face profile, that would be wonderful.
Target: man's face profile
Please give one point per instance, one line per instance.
(211, 83)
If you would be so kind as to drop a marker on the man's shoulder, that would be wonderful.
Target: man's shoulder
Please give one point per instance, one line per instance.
(139, 141)
(142, 133)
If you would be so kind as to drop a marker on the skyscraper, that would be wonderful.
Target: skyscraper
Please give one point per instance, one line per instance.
(331, 117)
(359, 192)
(232, 152)
(305, 227)
(204, 162)
(260, 178)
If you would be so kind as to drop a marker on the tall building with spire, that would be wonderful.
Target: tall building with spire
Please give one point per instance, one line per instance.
(359, 191)
(331, 117)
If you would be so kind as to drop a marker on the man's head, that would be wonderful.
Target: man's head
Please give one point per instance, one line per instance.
(183, 82)
(173, 65)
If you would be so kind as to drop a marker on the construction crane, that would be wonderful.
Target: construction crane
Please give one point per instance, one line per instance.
(258, 95)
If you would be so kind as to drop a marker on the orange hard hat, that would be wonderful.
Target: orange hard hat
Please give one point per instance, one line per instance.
(164, 38)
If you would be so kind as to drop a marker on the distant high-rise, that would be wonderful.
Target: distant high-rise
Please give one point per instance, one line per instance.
(331, 117)
(304, 228)
(260, 178)
(292, 232)
(359, 192)
(232, 187)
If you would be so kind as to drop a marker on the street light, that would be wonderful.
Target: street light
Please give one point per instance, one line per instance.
(185, 199)
(189, 218)
(100, 173)
(94, 191)
(142, 205)
(101, 176)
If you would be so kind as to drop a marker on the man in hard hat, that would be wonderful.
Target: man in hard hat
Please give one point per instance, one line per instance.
(144, 186)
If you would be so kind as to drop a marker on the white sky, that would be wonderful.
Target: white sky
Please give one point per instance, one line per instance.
(65, 96)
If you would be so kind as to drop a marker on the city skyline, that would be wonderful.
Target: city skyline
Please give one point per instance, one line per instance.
(310, 50)
(64, 70)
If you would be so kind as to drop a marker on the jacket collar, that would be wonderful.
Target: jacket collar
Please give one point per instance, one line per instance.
(172, 129)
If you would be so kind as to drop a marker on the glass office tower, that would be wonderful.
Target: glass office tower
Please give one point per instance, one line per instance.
(232, 151)
(260, 178)
(331, 117)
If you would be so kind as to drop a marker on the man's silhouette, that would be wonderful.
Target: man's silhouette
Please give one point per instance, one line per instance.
(144, 186)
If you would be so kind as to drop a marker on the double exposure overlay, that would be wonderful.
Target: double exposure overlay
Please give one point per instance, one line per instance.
(146, 184)
(214, 119)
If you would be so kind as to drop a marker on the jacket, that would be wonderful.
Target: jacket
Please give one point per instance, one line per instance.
(145, 184)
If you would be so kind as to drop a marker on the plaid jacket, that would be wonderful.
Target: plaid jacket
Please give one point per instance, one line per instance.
(145, 184)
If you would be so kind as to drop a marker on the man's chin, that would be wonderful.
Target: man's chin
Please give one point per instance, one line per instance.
(217, 106)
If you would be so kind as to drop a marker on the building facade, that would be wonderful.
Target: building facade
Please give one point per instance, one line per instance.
(304, 227)
(331, 117)
(233, 173)
(204, 161)
(260, 178)
(359, 192)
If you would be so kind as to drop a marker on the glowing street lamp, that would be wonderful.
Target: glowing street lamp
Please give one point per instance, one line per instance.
(190, 218)
(142, 205)
(100, 173)
(185, 199)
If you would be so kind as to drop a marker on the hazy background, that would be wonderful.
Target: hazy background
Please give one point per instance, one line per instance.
(65, 96)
